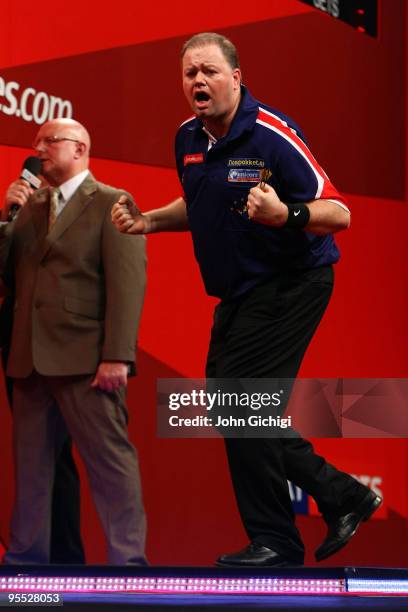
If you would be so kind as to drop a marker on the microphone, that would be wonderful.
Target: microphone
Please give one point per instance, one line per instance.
(31, 170)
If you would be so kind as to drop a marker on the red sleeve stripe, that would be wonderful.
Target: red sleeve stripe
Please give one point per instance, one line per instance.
(274, 123)
(324, 188)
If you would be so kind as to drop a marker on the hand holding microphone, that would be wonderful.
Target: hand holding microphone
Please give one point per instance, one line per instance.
(19, 191)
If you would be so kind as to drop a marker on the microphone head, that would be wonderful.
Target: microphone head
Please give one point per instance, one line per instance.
(31, 170)
(33, 164)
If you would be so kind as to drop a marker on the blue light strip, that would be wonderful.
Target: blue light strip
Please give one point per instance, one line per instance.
(369, 585)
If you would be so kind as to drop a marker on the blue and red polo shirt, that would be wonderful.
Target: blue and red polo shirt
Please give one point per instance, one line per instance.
(235, 253)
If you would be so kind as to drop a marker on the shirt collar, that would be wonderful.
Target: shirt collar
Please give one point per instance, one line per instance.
(211, 139)
(69, 187)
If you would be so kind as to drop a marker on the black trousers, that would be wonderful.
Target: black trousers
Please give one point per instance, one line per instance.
(66, 544)
(265, 333)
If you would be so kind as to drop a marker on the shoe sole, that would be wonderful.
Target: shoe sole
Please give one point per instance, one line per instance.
(374, 505)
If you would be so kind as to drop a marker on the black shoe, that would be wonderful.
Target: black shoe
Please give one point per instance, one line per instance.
(340, 530)
(255, 555)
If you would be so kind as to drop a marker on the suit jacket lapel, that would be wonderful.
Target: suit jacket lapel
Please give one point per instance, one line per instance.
(72, 210)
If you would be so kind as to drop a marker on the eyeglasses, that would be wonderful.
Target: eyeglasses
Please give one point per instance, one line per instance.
(50, 140)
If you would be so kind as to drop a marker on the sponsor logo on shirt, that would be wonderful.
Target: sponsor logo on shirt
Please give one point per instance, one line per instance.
(251, 162)
(193, 158)
(243, 175)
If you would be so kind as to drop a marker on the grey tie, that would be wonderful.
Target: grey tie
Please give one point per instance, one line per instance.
(54, 198)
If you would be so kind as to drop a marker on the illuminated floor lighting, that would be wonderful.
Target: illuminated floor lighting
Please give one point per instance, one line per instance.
(180, 585)
(184, 581)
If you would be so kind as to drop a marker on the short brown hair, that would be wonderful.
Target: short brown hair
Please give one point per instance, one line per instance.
(212, 38)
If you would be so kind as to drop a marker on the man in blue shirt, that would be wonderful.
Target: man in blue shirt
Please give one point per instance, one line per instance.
(266, 250)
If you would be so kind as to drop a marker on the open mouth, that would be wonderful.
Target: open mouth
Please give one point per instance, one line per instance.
(201, 96)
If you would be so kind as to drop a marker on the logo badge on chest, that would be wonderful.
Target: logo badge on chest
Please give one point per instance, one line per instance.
(244, 169)
(193, 158)
(243, 175)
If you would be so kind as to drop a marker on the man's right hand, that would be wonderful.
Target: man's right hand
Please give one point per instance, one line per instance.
(17, 193)
(127, 218)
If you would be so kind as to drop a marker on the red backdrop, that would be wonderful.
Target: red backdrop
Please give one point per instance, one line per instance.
(348, 92)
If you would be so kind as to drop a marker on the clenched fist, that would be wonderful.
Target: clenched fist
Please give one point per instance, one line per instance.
(264, 206)
(127, 218)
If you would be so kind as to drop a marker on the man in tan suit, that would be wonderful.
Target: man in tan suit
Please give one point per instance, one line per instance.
(79, 288)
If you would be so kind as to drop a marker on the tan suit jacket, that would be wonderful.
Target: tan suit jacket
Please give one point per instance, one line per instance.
(79, 288)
